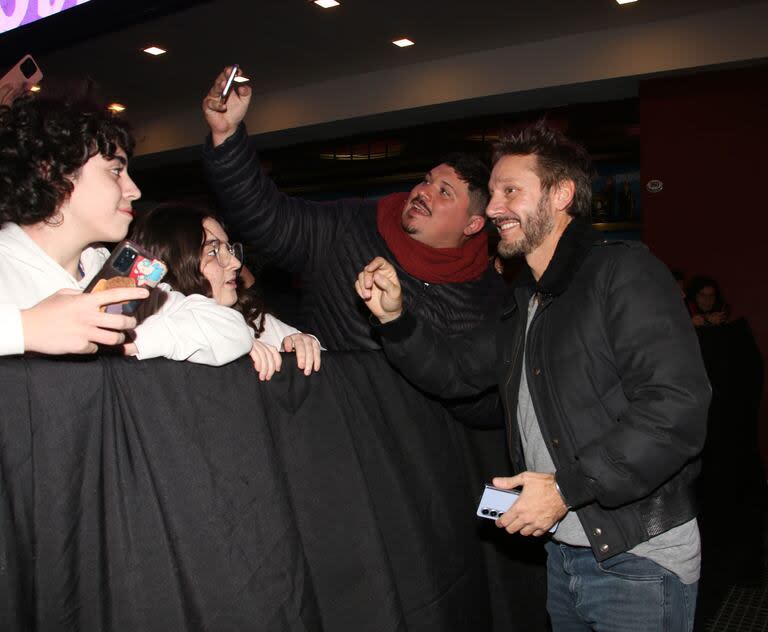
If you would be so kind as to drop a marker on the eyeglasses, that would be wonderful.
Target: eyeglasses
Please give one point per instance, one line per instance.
(223, 252)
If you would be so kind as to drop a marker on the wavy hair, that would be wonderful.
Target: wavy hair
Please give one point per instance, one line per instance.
(557, 158)
(174, 233)
(43, 145)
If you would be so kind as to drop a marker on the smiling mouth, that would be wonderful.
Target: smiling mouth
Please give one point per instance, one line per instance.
(506, 223)
(418, 206)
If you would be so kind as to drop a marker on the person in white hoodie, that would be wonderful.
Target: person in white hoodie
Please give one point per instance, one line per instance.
(203, 267)
(64, 189)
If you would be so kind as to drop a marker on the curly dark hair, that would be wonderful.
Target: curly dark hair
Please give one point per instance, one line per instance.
(174, 233)
(557, 158)
(43, 145)
(476, 174)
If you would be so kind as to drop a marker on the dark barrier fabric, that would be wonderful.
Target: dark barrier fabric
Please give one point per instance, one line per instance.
(168, 496)
(139, 496)
(731, 466)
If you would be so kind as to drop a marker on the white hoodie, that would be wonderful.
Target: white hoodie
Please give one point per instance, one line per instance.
(193, 328)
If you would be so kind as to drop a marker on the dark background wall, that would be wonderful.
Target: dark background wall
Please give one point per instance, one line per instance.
(704, 135)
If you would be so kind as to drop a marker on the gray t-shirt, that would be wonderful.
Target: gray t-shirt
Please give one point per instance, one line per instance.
(678, 550)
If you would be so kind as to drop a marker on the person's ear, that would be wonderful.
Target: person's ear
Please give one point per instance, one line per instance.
(563, 193)
(475, 225)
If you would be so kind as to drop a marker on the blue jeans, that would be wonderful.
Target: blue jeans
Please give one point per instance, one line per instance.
(625, 593)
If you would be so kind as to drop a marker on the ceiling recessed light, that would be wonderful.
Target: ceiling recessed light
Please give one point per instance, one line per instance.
(241, 79)
(326, 4)
(35, 89)
(402, 43)
(625, 1)
(155, 50)
(116, 107)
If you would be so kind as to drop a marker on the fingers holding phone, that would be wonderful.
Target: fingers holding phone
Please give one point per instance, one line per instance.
(25, 74)
(80, 323)
(226, 103)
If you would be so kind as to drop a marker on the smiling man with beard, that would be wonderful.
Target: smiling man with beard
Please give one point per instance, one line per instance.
(434, 234)
(604, 391)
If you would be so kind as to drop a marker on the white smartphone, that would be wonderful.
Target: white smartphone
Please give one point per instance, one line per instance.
(25, 74)
(494, 502)
(230, 82)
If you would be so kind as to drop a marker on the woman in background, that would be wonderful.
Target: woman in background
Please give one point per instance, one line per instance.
(705, 302)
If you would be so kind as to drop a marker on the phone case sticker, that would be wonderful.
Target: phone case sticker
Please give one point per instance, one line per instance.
(148, 272)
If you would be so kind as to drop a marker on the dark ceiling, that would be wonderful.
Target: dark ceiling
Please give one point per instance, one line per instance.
(287, 43)
(283, 44)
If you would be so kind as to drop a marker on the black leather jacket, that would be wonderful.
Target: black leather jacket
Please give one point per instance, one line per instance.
(615, 376)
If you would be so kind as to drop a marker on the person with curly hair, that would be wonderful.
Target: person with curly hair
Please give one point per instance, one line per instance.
(203, 270)
(64, 189)
(53, 160)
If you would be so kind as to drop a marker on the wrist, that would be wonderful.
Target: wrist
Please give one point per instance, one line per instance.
(28, 330)
(388, 317)
(218, 138)
(560, 493)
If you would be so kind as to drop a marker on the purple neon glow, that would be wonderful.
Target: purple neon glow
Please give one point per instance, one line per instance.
(14, 13)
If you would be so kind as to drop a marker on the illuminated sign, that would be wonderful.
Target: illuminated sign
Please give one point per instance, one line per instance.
(15, 13)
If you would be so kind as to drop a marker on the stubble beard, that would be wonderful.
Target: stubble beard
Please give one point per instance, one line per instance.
(535, 231)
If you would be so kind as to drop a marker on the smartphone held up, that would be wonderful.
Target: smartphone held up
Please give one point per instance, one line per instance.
(22, 77)
(234, 78)
(128, 266)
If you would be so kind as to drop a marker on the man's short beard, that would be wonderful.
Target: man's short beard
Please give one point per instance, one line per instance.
(535, 231)
(410, 230)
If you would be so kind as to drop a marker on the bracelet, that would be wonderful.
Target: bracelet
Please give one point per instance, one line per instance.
(559, 491)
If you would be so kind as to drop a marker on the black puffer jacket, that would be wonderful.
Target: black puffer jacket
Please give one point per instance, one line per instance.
(329, 243)
(615, 376)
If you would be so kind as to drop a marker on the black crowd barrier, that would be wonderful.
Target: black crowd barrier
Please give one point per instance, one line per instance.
(168, 496)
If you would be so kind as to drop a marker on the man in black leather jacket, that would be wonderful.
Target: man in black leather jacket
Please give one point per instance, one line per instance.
(604, 391)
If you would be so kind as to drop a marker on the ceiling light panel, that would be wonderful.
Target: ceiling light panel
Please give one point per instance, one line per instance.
(155, 50)
(625, 1)
(402, 43)
(326, 4)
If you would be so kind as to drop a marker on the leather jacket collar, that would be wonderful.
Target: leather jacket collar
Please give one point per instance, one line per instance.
(577, 239)
(575, 243)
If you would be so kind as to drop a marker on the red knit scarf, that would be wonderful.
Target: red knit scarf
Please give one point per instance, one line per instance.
(432, 265)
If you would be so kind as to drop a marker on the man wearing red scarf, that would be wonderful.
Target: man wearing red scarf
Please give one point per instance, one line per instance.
(434, 234)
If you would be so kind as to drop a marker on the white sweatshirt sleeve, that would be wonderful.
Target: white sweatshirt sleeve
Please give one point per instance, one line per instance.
(193, 328)
(12, 333)
(275, 330)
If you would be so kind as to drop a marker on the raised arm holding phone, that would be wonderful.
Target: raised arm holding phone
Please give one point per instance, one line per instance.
(432, 234)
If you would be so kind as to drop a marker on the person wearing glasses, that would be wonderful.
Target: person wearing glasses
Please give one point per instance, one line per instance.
(203, 280)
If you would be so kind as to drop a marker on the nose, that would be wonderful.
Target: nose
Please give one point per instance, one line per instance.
(425, 190)
(130, 190)
(495, 206)
(234, 263)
